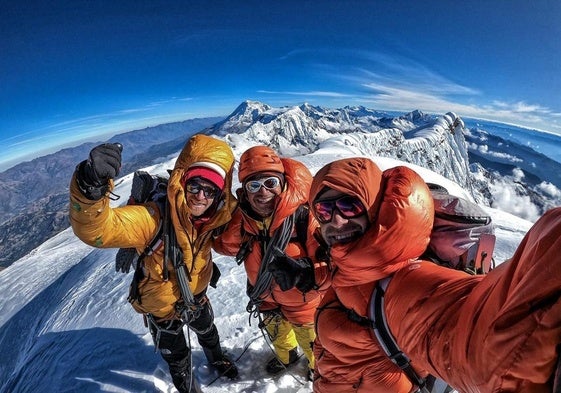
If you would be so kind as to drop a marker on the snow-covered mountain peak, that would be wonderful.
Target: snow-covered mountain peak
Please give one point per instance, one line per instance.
(432, 142)
(248, 112)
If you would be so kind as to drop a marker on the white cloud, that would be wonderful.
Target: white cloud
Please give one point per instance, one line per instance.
(399, 83)
(550, 189)
(506, 199)
(518, 174)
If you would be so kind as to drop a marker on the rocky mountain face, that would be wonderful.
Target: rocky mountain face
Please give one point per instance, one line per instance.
(477, 160)
(33, 196)
(434, 143)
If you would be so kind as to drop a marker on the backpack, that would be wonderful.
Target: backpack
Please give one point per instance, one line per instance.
(462, 238)
(145, 188)
(463, 235)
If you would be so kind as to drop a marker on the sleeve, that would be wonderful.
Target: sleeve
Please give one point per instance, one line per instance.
(230, 240)
(99, 225)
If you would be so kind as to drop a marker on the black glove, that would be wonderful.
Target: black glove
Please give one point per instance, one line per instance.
(94, 173)
(215, 275)
(289, 272)
(125, 258)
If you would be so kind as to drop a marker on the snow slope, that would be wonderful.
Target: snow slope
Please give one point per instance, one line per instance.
(65, 325)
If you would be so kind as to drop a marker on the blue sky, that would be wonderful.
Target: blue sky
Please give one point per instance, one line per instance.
(86, 70)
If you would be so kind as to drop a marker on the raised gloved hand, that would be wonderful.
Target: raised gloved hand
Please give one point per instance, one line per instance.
(94, 173)
(289, 272)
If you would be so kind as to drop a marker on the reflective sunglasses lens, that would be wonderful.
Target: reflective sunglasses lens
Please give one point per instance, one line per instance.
(350, 207)
(210, 192)
(324, 211)
(253, 186)
(195, 188)
(271, 182)
(192, 188)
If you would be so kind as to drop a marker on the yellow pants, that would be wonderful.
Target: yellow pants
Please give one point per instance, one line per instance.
(286, 336)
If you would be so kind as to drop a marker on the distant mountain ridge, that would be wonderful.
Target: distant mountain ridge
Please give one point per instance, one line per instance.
(440, 143)
(34, 194)
(434, 143)
(40, 177)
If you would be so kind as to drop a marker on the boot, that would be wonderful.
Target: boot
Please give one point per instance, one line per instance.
(221, 362)
(181, 373)
(275, 366)
(174, 350)
(188, 385)
(226, 367)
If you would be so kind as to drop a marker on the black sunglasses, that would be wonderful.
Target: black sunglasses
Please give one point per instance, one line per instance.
(349, 207)
(194, 187)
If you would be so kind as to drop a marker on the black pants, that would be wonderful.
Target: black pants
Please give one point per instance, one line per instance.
(170, 340)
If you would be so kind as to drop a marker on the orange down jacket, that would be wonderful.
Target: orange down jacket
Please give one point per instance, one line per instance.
(493, 333)
(99, 225)
(298, 308)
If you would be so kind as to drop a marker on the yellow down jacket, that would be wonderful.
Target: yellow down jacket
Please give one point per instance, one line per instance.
(99, 225)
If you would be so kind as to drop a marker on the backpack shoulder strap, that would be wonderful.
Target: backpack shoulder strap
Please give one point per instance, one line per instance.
(174, 255)
(390, 347)
(385, 337)
(278, 241)
(145, 188)
(132, 257)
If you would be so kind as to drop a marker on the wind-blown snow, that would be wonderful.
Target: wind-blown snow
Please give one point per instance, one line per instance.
(66, 326)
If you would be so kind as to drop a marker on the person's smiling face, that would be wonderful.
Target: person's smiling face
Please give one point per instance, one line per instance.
(261, 192)
(342, 217)
(200, 195)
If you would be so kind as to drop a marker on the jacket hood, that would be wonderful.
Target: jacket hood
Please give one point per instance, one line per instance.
(400, 212)
(200, 149)
(298, 180)
(358, 177)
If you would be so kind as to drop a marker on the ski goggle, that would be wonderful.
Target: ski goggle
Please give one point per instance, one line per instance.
(194, 187)
(269, 183)
(349, 207)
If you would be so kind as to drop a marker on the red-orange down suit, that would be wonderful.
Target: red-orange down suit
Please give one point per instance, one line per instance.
(493, 333)
(296, 307)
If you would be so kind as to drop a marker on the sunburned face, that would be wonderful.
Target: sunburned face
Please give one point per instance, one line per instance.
(199, 195)
(261, 192)
(342, 217)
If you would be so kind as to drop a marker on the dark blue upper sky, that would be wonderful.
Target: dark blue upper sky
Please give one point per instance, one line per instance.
(77, 70)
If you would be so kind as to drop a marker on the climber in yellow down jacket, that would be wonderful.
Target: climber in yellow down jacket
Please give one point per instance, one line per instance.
(200, 202)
